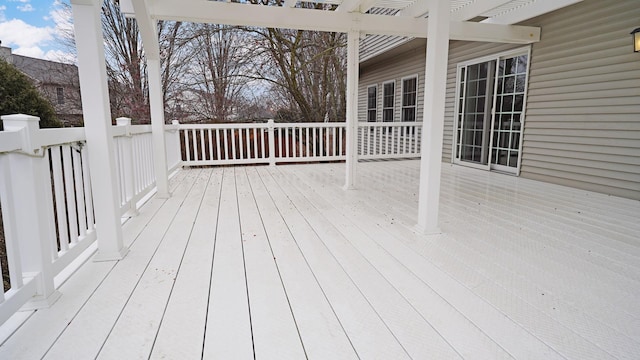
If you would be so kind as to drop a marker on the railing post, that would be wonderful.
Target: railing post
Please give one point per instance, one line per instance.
(127, 166)
(272, 143)
(177, 149)
(29, 182)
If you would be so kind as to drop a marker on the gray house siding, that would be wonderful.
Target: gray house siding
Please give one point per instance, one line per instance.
(404, 65)
(374, 45)
(582, 119)
(583, 110)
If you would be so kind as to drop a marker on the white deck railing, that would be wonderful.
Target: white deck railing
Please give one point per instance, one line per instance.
(389, 140)
(47, 200)
(272, 143)
(47, 203)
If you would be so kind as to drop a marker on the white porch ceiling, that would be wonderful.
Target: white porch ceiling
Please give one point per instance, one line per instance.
(475, 20)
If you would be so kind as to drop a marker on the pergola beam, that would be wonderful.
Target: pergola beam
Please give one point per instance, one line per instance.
(320, 20)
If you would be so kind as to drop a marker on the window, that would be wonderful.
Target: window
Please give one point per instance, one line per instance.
(60, 95)
(372, 102)
(388, 100)
(490, 109)
(409, 98)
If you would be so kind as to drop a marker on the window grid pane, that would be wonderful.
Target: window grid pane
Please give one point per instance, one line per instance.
(388, 101)
(372, 102)
(409, 98)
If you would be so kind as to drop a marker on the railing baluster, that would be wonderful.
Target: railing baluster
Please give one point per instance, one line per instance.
(186, 144)
(61, 206)
(210, 144)
(255, 143)
(315, 143)
(306, 142)
(341, 139)
(70, 193)
(202, 149)
(87, 189)
(226, 144)
(280, 142)
(195, 145)
(334, 131)
(218, 153)
(233, 144)
(79, 186)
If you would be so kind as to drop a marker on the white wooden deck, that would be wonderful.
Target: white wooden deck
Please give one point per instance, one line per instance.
(281, 263)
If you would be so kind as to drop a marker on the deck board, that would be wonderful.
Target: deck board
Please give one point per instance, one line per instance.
(228, 330)
(134, 332)
(281, 263)
(275, 335)
(366, 328)
(459, 332)
(388, 233)
(183, 324)
(320, 330)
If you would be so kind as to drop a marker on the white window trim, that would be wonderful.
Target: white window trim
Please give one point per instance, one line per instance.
(376, 106)
(494, 56)
(402, 79)
(393, 108)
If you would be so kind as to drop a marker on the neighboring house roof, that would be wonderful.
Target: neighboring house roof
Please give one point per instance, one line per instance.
(46, 71)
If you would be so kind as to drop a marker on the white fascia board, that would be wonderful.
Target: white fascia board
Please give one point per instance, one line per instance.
(320, 20)
(147, 29)
(530, 11)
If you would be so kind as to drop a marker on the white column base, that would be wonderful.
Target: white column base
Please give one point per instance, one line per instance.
(347, 187)
(422, 230)
(163, 194)
(40, 302)
(111, 256)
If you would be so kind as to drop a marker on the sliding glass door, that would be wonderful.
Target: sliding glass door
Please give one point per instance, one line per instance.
(489, 114)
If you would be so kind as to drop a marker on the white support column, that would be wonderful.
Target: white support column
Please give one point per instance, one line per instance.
(97, 120)
(149, 34)
(353, 64)
(434, 102)
(157, 129)
(26, 183)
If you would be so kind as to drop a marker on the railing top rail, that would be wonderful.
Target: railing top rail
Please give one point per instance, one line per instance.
(225, 126)
(10, 141)
(262, 125)
(310, 125)
(49, 137)
(140, 129)
(390, 124)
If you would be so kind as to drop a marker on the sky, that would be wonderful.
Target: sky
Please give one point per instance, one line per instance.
(33, 27)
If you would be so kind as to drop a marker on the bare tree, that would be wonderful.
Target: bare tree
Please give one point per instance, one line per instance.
(223, 55)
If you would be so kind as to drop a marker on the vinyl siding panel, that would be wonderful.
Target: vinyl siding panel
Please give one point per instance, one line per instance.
(582, 125)
(404, 65)
(373, 45)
